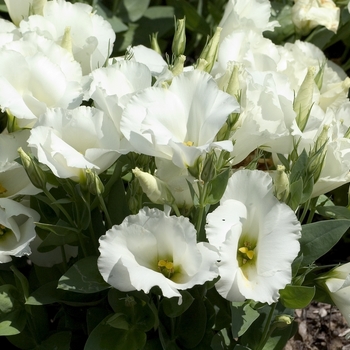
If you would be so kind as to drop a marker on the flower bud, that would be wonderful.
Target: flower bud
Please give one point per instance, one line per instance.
(178, 65)
(281, 184)
(154, 43)
(179, 41)
(36, 175)
(282, 321)
(303, 101)
(318, 153)
(201, 64)
(93, 183)
(210, 51)
(208, 171)
(155, 189)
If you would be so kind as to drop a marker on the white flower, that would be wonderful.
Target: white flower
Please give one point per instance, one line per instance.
(92, 37)
(181, 122)
(17, 229)
(13, 178)
(308, 14)
(257, 237)
(337, 283)
(151, 249)
(69, 141)
(49, 78)
(112, 87)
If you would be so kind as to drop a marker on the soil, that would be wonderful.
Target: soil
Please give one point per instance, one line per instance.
(321, 327)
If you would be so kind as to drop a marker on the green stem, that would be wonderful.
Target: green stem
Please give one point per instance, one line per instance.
(305, 209)
(64, 258)
(70, 220)
(105, 210)
(93, 237)
(267, 329)
(176, 209)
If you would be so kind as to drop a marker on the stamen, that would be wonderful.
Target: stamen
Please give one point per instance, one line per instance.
(189, 143)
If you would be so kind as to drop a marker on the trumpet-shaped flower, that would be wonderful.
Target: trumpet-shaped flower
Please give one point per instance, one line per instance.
(152, 249)
(337, 283)
(49, 78)
(17, 229)
(180, 122)
(257, 237)
(13, 178)
(308, 14)
(90, 39)
(69, 141)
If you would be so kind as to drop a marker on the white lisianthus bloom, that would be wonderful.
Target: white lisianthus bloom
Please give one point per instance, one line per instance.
(18, 9)
(8, 32)
(152, 249)
(49, 78)
(13, 178)
(17, 229)
(308, 14)
(91, 36)
(69, 141)
(337, 283)
(257, 237)
(112, 87)
(178, 123)
(267, 115)
(253, 14)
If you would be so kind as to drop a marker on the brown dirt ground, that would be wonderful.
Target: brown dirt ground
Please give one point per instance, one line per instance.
(321, 327)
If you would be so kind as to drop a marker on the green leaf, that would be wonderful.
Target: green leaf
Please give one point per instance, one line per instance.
(118, 321)
(21, 281)
(334, 212)
(105, 337)
(217, 187)
(194, 21)
(243, 315)
(45, 294)
(319, 237)
(57, 341)
(241, 347)
(57, 229)
(299, 167)
(117, 204)
(12, 313)
(132, 10)
(297, 297)
(296, 192)
(171, 307)
(83, 277)
(192, 325)
(116, 23)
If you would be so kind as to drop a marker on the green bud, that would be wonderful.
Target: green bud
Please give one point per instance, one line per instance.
(179, 41)
(303, 101)
(12, 124)
(93, 182)
(282, 321)
(209, 171)
(210, 51)
(155, 189)
(36, 175)
(154, 43)
(233, 83)
(318, 154)
(178, 65)
(281, 184)
(319, 76)
(66, 42)
(202, 64)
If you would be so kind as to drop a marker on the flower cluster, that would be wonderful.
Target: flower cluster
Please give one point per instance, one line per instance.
(171, 181)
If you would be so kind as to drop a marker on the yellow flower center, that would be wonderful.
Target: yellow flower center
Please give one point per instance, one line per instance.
(166, 268)
(2, 189)
(189, 143)
(246, 253)
(3, 230)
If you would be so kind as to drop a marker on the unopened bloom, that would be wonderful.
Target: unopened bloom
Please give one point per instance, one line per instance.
(17, 229)
(257, 237)
(152, 249)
